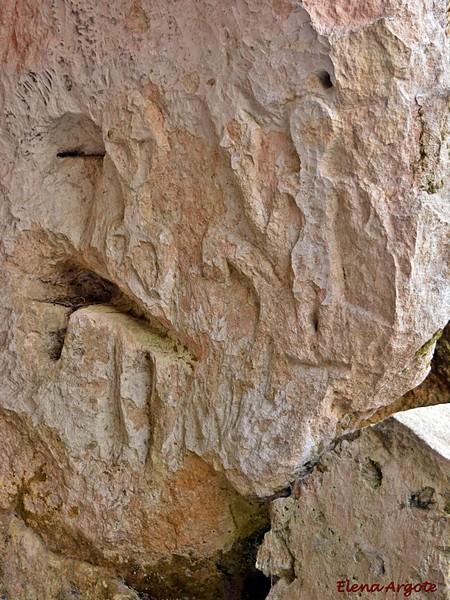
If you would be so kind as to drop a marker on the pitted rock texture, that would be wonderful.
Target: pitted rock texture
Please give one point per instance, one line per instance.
(374, 511)
(222, 246)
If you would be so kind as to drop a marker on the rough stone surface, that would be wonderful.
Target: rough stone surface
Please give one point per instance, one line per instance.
(31, 572)
(106, 515)
(222, 246)
(375, 510)
(435, 389)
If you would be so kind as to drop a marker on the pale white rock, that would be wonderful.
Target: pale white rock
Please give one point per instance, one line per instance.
(430, 424)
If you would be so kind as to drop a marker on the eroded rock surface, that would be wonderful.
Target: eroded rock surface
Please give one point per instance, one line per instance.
(374, 511)
(222, 246)
(30, 570)
(435, 389)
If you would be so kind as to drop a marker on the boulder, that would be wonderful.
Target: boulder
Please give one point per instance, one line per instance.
(372, 517)
(222, 248)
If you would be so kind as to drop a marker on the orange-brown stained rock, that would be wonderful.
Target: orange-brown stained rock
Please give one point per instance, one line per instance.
(194, 519)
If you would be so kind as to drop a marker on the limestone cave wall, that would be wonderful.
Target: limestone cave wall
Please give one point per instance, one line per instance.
(223, 251)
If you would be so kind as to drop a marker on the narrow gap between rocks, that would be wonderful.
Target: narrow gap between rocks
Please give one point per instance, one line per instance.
(79, 154)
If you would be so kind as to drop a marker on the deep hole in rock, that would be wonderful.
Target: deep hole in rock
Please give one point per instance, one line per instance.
(57, 342)
(325, 79)
(76, 287)
(257, 586)
(315, 321)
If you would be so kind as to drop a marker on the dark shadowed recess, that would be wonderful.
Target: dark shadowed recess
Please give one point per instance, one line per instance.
(230, 576)
(82, 287)
(76, 287)
(325, 79)
(76, 153)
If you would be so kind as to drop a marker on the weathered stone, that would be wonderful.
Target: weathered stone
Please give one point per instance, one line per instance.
(30, 571)
(110, 516)
(222, 246)
(435, 389)
(374, 510)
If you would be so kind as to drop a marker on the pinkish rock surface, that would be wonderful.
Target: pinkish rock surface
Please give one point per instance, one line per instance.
(223, 245)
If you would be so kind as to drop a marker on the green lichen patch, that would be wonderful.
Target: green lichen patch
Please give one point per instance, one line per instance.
(424, 350)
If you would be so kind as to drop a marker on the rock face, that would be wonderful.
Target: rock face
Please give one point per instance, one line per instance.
(29, 570)
(222, 246)
(374, 511)
(435, 389)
